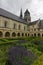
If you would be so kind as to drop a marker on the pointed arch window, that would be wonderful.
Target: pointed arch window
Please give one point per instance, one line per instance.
(5, 24)
(19, 27)
(14, 26)
(24, 28)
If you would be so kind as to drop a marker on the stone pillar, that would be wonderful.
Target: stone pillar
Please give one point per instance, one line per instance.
(3, 34)
(36, 34)
(10, 34)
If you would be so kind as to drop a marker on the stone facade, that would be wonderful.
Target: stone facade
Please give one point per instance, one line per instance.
(11, 28)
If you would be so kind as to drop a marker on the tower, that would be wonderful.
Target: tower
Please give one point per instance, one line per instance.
(21, 13)
(27, 16)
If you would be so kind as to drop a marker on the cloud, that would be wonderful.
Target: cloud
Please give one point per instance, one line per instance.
(34, 6)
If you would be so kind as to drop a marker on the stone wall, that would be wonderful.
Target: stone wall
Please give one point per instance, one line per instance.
(10, 31)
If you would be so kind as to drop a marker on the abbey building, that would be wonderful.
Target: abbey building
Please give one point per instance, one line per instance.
(12, 26)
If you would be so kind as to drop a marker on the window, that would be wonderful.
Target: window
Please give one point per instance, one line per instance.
(24, 27)
(14, 26)
(5, 24)
(19, 27)
(31, 29)
(38, 29)
(34, 29)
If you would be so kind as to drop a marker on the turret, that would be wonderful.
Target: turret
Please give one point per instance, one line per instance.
(27, 16)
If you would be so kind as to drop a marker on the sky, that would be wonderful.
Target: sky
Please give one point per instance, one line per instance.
(35, 7)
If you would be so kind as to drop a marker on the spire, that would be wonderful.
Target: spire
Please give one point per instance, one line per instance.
(21, 13)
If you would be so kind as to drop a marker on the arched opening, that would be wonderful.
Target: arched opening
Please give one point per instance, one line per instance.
(7, 34)
(25, 34)
(38, 34)
(1, 34)
(34, 34)
(18, 34)
(13, 34)
(22, 34)
(42, 35)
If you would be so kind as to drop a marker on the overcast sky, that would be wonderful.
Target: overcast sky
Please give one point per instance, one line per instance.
(35, 7)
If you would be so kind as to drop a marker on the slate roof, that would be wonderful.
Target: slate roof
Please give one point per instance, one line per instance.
(41, 24)
(18, 19)
(33, 23)
(27, 12)
(11, 16)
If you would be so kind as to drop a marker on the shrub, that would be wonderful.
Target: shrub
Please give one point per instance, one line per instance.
(39, 61)
(19, 55)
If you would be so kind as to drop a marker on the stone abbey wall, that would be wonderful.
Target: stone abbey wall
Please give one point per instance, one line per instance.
(10, 29)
